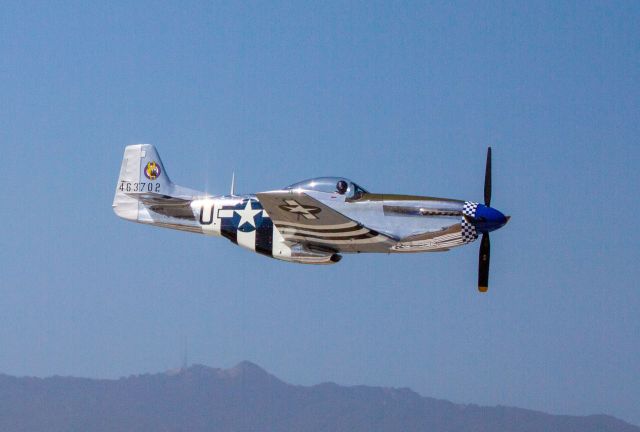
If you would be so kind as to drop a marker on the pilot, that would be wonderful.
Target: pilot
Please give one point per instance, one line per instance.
(341, 187)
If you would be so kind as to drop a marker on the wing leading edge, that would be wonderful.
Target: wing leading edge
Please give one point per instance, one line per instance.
(304, 220)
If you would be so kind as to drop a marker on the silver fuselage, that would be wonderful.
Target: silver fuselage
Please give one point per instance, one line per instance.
(309, 222)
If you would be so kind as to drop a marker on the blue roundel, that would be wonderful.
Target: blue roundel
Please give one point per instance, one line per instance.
(247, 218)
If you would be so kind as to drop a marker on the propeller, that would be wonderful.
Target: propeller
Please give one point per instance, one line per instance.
(485, 244)
(483, 263)
(487, 180)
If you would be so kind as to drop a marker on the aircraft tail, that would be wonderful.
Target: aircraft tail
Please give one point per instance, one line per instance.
(144, 182)
(141, 173)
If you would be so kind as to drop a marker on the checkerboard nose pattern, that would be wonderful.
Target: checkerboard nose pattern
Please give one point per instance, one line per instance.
(469, 233)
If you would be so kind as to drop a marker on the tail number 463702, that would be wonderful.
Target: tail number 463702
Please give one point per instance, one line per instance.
(126, 186)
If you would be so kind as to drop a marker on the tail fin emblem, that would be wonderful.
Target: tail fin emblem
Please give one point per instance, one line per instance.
(152, 171)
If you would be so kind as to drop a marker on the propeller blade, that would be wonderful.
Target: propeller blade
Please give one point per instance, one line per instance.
(487, 180)
(483, 264)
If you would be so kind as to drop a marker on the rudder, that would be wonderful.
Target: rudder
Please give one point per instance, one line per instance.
(141, 173)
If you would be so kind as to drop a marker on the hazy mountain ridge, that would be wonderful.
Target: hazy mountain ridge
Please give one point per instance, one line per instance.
(247, 398)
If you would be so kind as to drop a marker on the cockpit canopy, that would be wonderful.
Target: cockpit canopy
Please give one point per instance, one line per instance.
(332, 185)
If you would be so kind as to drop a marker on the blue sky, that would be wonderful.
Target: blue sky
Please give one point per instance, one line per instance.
(401, 97)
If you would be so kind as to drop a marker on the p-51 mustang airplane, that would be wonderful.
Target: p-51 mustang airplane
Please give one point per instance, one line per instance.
(310, 222)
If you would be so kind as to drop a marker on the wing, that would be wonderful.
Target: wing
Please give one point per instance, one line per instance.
(305, 220)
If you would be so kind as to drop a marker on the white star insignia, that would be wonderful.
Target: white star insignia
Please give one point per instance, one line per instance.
(294, 206)
(247, 215)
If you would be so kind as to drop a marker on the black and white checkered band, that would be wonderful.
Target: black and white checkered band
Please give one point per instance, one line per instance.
(469, 233)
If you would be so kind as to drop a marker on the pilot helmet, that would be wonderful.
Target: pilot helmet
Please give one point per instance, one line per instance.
(341, 187)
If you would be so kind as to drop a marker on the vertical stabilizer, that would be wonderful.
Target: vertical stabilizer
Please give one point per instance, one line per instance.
(142, 172)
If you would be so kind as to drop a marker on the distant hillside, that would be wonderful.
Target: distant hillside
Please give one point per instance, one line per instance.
(246, 398)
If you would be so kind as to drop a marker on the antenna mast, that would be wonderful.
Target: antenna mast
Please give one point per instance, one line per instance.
(233, 184)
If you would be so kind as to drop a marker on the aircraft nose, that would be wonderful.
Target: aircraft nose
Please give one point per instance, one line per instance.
(488, 219)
